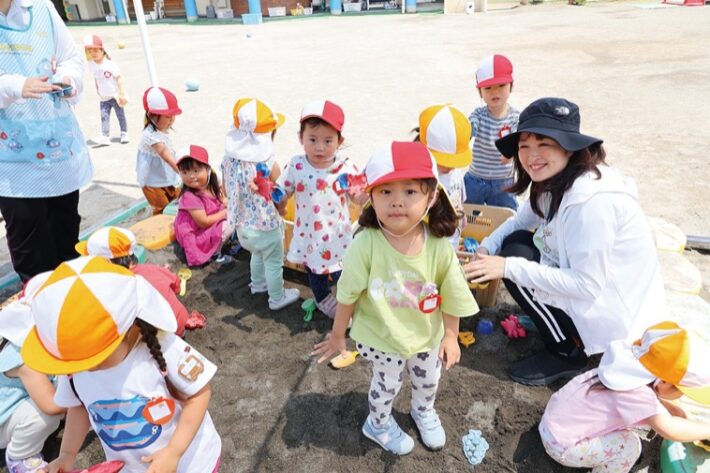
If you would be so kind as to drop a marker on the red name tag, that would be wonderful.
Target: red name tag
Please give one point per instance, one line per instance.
(430, 303)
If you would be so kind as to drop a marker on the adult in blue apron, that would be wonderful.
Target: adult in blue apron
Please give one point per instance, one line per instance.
(43, 156)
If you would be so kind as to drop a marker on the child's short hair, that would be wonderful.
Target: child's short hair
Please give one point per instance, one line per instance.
(315, 122)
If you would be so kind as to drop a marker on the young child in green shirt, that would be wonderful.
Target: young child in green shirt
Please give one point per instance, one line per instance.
(405, 292)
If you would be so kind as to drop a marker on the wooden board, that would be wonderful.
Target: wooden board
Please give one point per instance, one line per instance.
(155, 232)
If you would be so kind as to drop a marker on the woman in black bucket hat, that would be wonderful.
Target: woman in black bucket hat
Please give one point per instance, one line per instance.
(579, 256)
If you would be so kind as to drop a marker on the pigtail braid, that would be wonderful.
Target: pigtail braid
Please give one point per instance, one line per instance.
(150, 337)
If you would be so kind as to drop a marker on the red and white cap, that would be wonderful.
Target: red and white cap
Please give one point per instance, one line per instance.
(494, 70)
(160, 101)
(327, 111)
(93, 41)
(399, 161)
(198, 153)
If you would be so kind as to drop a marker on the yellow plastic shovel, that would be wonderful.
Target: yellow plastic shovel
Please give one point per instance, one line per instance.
(184, 274)
(341, 361)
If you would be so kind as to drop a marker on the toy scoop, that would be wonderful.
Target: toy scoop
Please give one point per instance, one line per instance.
(466, 339)
(308, 306)
(511, 326)
(106, 467)
(341, 361)
(184, 274)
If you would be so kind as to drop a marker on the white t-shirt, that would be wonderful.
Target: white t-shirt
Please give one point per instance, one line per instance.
(454, 184)
(105, 75)
(125, 408)
(151, 170)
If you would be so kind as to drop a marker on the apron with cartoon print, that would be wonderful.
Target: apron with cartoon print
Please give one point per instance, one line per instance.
(36, 134)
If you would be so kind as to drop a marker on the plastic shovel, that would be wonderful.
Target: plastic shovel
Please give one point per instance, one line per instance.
(184, 274)
(341, 361)
(106, 467)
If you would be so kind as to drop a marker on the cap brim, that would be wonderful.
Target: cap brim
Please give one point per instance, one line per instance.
(399, 175)
(620, 370)
(701, 394)
(280, 119)
(82, 248)
(495, 81)
(570, 141)
(168, 112)
(458, 160)
(39, 359)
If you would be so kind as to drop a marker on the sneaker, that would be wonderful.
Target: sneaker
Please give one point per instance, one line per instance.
(124, 138)
(328, 306)
(100, 141)
(390, 437)
(546, 367)
(290, 296)
(257, 288)
(429, 426)
(26, 465)
(222, 259)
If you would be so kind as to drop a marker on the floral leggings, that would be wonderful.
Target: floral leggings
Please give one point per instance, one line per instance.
(387, 377)
(615, 452)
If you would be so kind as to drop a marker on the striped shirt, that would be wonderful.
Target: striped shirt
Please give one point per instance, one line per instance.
(486, 130)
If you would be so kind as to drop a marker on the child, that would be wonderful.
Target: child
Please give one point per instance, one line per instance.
(118, 246)
(490, 173)
(28, 415)
(157, 172)
(200, 227)
(588, 422)
(258, 223)
(403, 283)
(109, 85)
(322, 230)
(141, 388)
(446, 131)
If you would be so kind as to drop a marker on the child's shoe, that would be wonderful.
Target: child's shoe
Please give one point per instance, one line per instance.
(258, 288)
(124, 138)
(100, 140)
(328, 306)
(290, 296)
(391, 437)
(26, 465)
(430, 429)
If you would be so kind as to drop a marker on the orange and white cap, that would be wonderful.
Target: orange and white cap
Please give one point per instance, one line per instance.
(108, 242)
(666, 351)
(82, 311)
(250, 137)
(446, 132)
(327, 111)
(93, 41)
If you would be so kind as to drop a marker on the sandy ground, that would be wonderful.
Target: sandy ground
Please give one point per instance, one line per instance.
(641, 77)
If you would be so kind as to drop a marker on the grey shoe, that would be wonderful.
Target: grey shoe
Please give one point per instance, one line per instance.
(430, 429)
(290, 296)
(391, 437)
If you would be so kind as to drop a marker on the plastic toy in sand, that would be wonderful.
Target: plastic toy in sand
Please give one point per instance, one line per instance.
(265, 186)
(474, 446)
(466, 339)
(184, 274)
(677, 457)
(195, 321)
(106, 467)
(484, 327)
(341, 361)
(192, 85)
(351, 183)
(308, 306)
(512, 327)
(155, 232)
(527, 323)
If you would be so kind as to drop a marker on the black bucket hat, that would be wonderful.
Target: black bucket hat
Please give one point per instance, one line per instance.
(553, 117)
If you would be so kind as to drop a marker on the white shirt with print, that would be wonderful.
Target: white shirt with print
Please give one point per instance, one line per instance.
(105, 75)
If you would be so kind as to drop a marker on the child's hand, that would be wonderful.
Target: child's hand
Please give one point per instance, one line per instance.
(449, 352)
(163, 461)
(504, 160)
(331, 345)
(63, 463)
(122, 101)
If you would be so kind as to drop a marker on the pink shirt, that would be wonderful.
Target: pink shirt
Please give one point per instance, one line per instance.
(577, 412)
(199, 243)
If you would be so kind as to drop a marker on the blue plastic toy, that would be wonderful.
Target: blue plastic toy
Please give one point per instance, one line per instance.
(266, 187)
(470, 245)
(527, 322)
(484, 327)
(474, 446)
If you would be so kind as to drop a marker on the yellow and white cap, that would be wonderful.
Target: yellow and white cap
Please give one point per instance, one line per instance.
(108, 242)
(446, 131)
(250, 137)
(82, 311)
(666, 351)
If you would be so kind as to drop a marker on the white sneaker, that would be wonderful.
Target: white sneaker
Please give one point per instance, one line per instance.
(124, 138)
(290, 296)
(101, 141)
(257, 288)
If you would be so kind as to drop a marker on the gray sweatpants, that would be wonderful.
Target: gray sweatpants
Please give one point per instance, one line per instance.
(387, 377)
(24, 433)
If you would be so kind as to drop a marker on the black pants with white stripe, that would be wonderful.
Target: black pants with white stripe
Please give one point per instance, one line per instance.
(556, 327)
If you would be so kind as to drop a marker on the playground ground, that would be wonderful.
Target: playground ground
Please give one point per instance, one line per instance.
(641, 75)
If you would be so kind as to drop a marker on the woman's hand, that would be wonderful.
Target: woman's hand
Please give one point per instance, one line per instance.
(164, 460)
(62, 464)
(449, 352)
(34, 86)
(484, 268)
(331, 345)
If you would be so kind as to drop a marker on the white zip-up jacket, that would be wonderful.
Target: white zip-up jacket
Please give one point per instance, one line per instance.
(608, 280)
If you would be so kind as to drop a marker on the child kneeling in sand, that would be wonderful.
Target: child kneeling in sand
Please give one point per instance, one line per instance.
(402, 281)
(588, 422)
(118, 246)
(140, 387)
